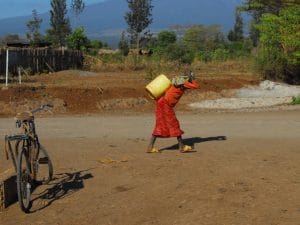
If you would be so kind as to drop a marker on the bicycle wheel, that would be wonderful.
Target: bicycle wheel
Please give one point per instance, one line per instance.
(43, 166)
(24, 187)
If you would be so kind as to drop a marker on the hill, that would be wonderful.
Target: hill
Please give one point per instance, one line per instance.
(105, 20)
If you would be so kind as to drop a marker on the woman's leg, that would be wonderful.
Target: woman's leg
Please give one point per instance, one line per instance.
(180, 142)
(182, 147)
(151, 148)
(152, 141)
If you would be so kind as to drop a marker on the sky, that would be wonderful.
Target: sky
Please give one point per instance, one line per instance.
(13, 8)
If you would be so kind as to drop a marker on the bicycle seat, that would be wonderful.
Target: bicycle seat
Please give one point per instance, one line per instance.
(24, 116)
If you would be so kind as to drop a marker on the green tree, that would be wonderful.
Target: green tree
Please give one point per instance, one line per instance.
(203, 38)
(138, 18)
(165, 38)
(256, 8)
(123, 44)
(34, 36)
(60, 25)
(253, 32)
(96, 44)
(237, 34)
(77, 7)
(178, 52)
(78, 39)
(160, 44)
(267, 6)
(279, 53)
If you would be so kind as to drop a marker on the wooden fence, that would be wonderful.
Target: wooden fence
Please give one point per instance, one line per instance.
(39, 60)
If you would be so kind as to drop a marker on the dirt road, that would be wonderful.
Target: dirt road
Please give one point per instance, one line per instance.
(103, 176)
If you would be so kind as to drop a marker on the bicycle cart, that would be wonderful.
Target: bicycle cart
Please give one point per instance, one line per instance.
(30, 159)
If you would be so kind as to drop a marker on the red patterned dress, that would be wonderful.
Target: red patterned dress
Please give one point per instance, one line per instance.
(167, 125)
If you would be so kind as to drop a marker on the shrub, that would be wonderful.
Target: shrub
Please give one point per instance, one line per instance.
(279, 54)
(296, 100)
(177, 52)
(220, 54)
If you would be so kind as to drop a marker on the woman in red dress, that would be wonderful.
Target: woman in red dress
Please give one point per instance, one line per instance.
(167, 124)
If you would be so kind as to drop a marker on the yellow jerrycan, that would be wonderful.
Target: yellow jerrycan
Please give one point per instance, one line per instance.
(158, 86)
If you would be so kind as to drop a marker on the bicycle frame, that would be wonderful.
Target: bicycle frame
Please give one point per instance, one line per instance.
(26, 156)
(28, 137)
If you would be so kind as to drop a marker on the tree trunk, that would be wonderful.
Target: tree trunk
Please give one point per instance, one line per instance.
(138, 42)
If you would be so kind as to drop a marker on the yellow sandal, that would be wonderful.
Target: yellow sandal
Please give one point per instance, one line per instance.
(153, 150)
(186, 148)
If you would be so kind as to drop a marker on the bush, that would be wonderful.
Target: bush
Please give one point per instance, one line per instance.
(220, 54)
(296, 100)
(177, 52)
(271, 63)
(203, 56)
(78, 39)
(279, 51)
(239, 49)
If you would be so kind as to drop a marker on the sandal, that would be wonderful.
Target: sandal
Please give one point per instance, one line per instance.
(186, 148)
(153, 150)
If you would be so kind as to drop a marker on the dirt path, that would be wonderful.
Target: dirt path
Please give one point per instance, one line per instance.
(103, 176)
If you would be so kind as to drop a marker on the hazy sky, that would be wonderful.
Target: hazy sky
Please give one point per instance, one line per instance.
(13, 8)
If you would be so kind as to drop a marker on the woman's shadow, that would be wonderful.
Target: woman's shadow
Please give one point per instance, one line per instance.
(195, 140)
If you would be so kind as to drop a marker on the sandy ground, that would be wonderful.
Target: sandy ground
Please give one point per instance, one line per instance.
(103, 176)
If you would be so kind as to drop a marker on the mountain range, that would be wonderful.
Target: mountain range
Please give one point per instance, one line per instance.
(105, 20)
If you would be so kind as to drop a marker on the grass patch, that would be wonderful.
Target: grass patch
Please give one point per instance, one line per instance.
(296, 100)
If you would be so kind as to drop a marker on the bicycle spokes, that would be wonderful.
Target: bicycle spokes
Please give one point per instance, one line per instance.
(44, 167)
(24, 181)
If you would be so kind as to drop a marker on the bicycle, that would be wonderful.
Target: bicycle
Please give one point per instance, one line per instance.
(30, 159)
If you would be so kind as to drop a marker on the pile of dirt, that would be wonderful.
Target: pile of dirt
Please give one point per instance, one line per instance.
(80, 92)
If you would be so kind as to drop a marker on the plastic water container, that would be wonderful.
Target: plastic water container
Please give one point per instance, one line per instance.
(158, 86)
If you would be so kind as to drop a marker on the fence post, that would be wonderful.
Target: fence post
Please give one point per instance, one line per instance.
(6, 77)
(19, 72)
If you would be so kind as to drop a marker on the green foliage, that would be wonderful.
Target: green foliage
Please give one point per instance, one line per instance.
(178, 52)
(220, 54)
(123, 45)
(94, 46)
(77, 7)
(34, 36)
(78, 40)
(138, 18)
(271, 63)
(163, 44)
(204, 56)
(204, 43)
(60, 25)
(203, 38)
(166, 38)
(253, 32)
(267, 6)
(295, 100)
(256, 8)
(237, 33)
(280, 45)
(239, 49)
